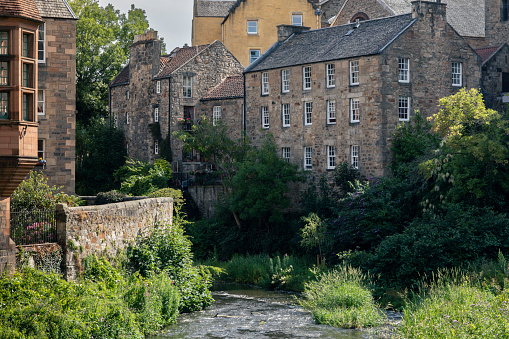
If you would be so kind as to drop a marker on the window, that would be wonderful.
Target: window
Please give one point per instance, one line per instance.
(355, 156)
(404, 70)
(26, 46)
(4, 73)
(216, 115)
(127, 94)
(253, 55)
(331, 111)
(354, 72)
(456, 74)
(331, 76)
(27, 75)
(505, 82)
(158, 86)
(156, 147)
(156, 114)
(308, 151)
(4, 105)
(285, 81)
(188, 87)
(354, 110)
(404, 108)
(252, 27)
(285, 112)
(40, 102)
(41, 43)
(297, 19)
(286, 154)
(306, 77)
(331, 157)
(308, 113)
(265, 117)
(4, 42)
(187, 123)
(25, 107)
(115, 120)
(265, 83)
(505, 10)
(41, 149)
(127, 118)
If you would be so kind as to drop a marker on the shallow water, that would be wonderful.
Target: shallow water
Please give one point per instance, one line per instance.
(240, 311)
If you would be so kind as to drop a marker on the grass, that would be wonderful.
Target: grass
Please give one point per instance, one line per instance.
(342, 298)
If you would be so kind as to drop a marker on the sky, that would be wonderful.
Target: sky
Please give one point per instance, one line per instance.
(171, 18)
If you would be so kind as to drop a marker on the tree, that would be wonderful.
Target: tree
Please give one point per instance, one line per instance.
(103, 37)
(140, 178)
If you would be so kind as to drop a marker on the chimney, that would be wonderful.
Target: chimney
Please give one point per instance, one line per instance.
(428, 9)
(148, 35)
(284, 31)
(146, 49)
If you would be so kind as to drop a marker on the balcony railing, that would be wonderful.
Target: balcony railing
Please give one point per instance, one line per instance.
(33, 227)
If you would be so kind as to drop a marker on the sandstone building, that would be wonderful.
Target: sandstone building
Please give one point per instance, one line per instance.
(247, 28)
(154, 95)
(56, 95)
(336, 94)
(19, 22)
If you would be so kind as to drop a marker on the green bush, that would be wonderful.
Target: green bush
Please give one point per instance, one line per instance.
(140, 178)
(177, 195)
(342, 298)
(103, 198)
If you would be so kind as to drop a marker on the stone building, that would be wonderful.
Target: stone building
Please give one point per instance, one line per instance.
(56, 96)
(247, 28)
(19, 22)
(495, 75)
(155, 95)
(225, 103)
(336, 94)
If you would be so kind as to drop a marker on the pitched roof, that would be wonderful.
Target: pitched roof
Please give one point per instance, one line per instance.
(467, 17)
(333, 43)
(214, 8)
(487, 52)
(231, 87)
(20, 8)
(178, 57)
(122, 78)
(55, 9)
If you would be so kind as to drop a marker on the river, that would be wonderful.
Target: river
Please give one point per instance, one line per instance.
(241, 311)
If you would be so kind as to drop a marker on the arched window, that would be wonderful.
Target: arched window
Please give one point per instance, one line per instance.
(361, 16)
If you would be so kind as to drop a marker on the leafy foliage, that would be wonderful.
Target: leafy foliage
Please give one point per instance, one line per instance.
(34, 193)
(140, 178)
(110, 197)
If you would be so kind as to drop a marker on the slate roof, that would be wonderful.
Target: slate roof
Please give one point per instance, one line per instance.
(487, 52)
(231, 87)
(55, 9)
(467, 17)
(214, 8)
(20, 8)
(333, 43)
(178, 57)
(122, 78)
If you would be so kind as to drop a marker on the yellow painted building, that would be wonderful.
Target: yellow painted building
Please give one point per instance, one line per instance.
(248, 27)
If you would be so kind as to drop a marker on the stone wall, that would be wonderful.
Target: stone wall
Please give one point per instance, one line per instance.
(7, 247)
(373, 10)
(106, 229)
(492, 72)
(231, 114)
(497, 30)
(206, 197)
(57, 77)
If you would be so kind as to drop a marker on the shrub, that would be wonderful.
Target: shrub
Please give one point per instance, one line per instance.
(341, 298)
(177, 195)
(110, 197)
(140, 178)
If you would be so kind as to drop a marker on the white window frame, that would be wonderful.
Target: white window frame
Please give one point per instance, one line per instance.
(156, 114)
(43, 157)
(158, 86)
(127, 94)
(265, 117)
(285, 81)
(294, 22)
(355, 114)
(41, 103)
(286, 154)
(254, 24)
(127, 118)
(354, 72)
(404, 108)
(331, 76)
(187, 87)
(156, 147)
(251, 59)
(308, 113)
(308, 154)
(331, 112)
(354, 156)
(285, 114)
(43, 45)
(265, 83)
(115, 119)
(331, 157)
(216, 115)
(306, 78)
(457, 74)
(404, 70)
